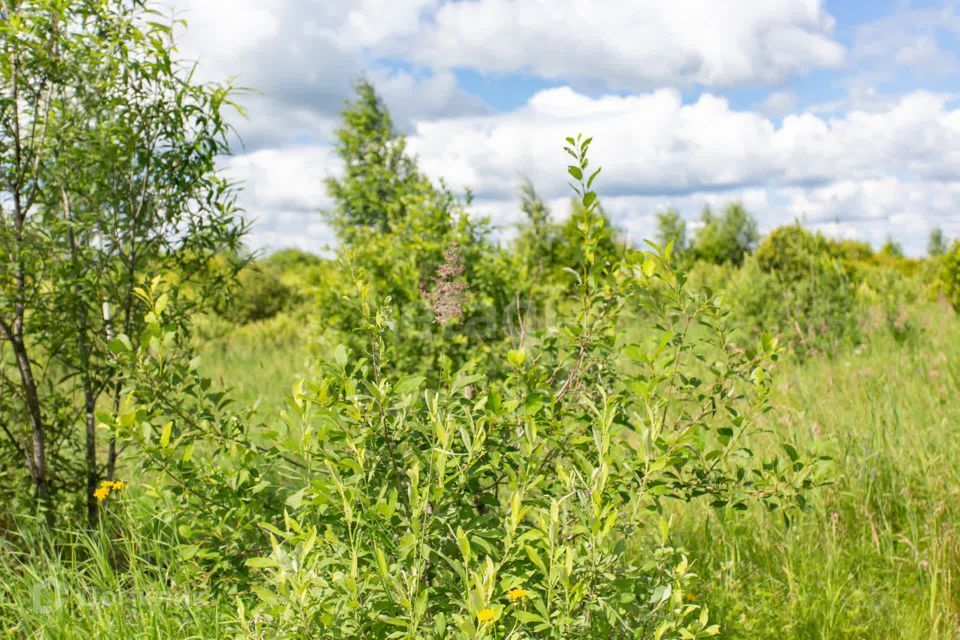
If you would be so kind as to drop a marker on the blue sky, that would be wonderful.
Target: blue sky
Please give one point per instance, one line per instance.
(842, 114)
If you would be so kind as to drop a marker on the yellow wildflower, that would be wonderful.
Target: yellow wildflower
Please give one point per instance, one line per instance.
(118, 485)
(485, 615)
(101, 493)
(517, 594)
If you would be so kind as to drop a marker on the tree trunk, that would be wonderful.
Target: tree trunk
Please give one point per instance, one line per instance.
(37, 457)
(93, 473)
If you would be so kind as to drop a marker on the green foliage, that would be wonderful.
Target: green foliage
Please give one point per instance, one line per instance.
(260, 294)
(671, 227)
(517, 499)
(109, 152)
(892, 248)
(381, 182)
(725, 238)
(937, 245)
(793, 287)
(949, 278)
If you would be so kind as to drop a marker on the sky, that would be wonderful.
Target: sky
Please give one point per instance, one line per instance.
(842, 114)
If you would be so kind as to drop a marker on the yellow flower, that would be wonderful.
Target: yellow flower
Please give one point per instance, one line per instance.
(101, 493)
(118, 485)
(485, 615)
(691, 597)
(517, 594)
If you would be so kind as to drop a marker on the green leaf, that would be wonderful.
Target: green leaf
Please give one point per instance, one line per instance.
(527, 617)
(575, 172)
(261, 563)
(296, 499)
(165, 435)
(649, 266)
(516, 357)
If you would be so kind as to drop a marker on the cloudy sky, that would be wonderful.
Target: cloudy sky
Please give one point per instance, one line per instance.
(841, 113)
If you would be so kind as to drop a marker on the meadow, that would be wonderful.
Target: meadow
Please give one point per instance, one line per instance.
(439, 432)
(876, 552)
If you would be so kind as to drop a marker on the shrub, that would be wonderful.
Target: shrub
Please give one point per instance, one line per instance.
(794, 288)
(260, 294)
(521, 504)
(950, 275)
(725, 238)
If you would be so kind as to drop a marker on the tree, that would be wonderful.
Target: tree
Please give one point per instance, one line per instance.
(671, 227)
(725, 238)
(892, 248)
(108, 155)
(378, 173)
(937, 245)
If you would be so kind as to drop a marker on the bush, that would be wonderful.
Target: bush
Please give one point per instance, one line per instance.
(794, 288)
(950, 275)
(260, 294)
(519, 504)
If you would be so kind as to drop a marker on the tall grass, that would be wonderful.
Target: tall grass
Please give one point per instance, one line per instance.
(86, 585)
(877, 554)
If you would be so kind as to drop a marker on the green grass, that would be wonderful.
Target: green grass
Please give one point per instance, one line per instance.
(876, 555)
(81, 586)
(260, 362)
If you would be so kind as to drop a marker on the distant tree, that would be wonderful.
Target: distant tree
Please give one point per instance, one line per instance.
(671, 227)
(537, 243)
(378, 174)
(949, 277)
(892, 248)
(937, 245)
(725, 238)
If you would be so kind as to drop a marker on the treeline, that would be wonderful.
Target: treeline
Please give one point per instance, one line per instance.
(817, 294)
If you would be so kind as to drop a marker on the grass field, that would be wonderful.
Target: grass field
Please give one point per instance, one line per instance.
(875, 555)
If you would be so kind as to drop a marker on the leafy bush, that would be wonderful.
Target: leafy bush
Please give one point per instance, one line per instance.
(260, 294)
(794, 288)
(522, 504)
(950, 275)
(725, 238)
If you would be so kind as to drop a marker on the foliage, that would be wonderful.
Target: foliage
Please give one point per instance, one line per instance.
(793, 287)
(399, 256)
(672, 228)
(727, 237)
(949, 277)
(892, 248)
(481, 505)
(380, 180)
(260, 293)
(937, 245)
(108, 153)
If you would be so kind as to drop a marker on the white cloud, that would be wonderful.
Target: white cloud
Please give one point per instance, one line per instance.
(301, 58)
(874, 161)
(634, 45)
(284, 193)
(894, 168)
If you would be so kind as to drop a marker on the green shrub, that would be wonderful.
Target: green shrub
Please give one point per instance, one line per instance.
(526, 504)
(950, 275)
(259, 294)
(725, 238)
(794, 288)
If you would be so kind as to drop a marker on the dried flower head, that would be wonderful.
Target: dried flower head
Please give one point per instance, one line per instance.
(446, 298)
